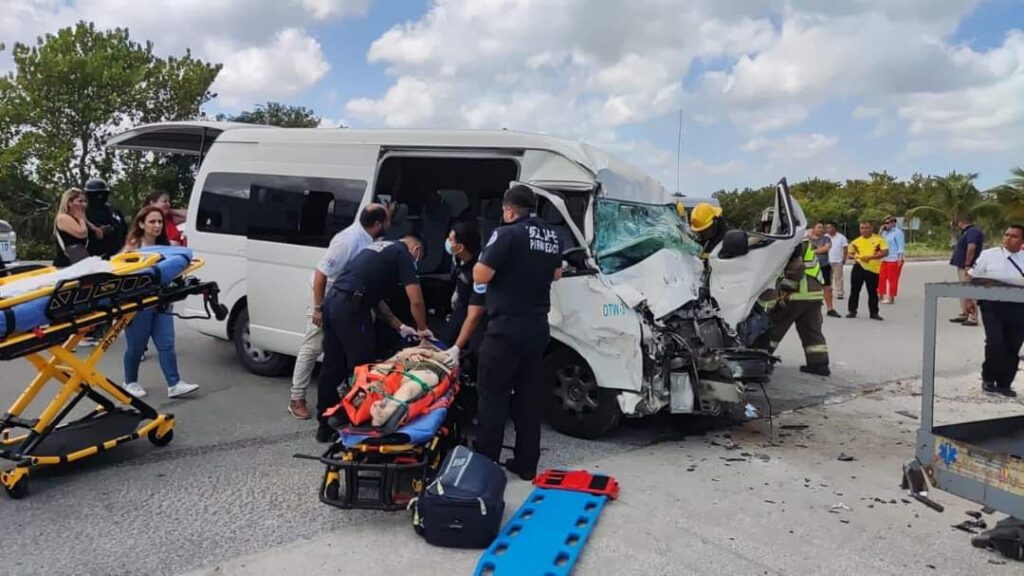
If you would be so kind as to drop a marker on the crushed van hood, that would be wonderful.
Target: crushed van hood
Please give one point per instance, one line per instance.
(666, 280)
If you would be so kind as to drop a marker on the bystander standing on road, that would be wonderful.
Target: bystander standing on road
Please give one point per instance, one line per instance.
(837, 260)
(71, 230)
(1004, 321)
(822, 244)
(892, 264)
(867, 250)
(965, 253)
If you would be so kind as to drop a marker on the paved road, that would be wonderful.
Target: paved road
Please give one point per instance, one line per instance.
(227, 485)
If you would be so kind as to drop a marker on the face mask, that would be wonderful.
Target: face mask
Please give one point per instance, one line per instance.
(448, 247)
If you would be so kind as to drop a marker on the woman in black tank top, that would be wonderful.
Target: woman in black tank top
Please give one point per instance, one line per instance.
(71, 230)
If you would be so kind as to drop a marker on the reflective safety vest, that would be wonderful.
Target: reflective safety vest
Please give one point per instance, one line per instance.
(812, 271)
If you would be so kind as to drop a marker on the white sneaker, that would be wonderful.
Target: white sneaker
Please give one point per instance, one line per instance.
(144, 357)
(180, 389)
(134, 389)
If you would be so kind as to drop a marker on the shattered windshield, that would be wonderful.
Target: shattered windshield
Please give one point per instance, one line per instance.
(628, 233)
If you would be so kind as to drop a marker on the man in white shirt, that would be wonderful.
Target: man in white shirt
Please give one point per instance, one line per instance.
(373, 222)
(837, 259)
(1004, 321)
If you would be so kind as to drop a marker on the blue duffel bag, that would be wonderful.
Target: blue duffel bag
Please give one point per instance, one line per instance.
(463, 506)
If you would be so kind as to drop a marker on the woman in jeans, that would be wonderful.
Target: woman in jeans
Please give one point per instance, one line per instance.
(148, 230)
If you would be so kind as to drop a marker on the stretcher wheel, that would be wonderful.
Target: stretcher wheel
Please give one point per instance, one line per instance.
(332, 489)
(19, 490)
(160, 440)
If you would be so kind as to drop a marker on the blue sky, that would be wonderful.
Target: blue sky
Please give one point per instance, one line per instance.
(767, 88)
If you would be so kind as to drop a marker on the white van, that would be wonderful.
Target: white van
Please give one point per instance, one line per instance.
(637, 322)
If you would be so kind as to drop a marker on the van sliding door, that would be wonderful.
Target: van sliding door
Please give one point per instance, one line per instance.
(294, 211)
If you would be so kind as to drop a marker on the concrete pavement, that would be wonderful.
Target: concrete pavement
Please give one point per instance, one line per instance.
(227, 487)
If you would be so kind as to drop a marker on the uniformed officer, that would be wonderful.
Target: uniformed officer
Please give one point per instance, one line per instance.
(707, 223)
(468, 320)
(348, 325)
(515, 271)
(799, 296)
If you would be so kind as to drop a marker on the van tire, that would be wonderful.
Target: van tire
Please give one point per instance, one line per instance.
(257, 361)
(576, 406)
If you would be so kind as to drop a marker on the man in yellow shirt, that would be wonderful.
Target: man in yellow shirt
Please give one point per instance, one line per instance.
(867, 252)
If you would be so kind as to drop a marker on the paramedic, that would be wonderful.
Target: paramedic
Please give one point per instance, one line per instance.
(468, 321)
(348, 326)
(520, 261)
(373, 222)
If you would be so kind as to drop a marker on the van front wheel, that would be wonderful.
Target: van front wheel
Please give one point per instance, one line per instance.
(257, 360)
(577, 406)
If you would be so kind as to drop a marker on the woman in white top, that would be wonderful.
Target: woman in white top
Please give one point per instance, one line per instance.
(157, 324)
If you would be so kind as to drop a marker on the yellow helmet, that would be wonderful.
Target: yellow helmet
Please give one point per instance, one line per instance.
(703, 216)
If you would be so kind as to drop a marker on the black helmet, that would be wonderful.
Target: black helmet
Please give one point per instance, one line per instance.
(95, 185)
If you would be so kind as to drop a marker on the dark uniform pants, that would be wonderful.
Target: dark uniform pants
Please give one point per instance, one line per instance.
(861, 278)
(348, 342)
(806, 314)
(1004, 334)
(511, 376)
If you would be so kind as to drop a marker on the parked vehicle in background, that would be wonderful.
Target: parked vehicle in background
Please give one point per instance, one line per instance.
(8, 244)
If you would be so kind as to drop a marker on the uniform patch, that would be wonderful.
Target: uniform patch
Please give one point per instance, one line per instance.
(479, 288)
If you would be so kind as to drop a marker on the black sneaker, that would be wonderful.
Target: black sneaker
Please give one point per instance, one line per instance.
(851, 314)
(324, 434)
(877, 317)
(833, 314)
(510, 465)
(816, 369)
(989, 387)
(1008, 392)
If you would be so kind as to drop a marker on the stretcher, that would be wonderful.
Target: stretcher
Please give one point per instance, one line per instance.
(384, 467)
(45, 315)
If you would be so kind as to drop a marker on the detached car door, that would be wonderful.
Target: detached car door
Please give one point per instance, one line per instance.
(737, 282)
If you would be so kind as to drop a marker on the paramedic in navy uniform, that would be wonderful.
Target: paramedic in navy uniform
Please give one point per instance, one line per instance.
(515, 270)
(367, 279)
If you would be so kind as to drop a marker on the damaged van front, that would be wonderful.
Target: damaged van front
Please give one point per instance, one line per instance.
(641, 322)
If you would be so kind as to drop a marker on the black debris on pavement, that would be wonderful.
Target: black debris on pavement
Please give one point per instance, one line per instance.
(907, 414)
(795, 426)
(844, 457)
(974, 514)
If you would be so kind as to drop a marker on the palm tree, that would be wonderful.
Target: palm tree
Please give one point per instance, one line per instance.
(1011, 195)
(953, 195)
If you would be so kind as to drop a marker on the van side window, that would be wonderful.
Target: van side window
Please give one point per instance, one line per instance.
(224, 204)
(303, 211)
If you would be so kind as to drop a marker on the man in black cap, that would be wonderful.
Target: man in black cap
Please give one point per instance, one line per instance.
(101, 214)
(349, 341)
(515, 271)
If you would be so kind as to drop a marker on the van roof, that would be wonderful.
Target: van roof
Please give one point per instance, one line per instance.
(197, 136)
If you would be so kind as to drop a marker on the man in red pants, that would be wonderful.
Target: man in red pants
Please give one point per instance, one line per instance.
(892, 264)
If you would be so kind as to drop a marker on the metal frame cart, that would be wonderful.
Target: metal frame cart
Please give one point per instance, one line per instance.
(982, 461)
(73, 307)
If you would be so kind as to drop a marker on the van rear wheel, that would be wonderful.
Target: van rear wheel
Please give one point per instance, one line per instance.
(257, 360)
(577, 406)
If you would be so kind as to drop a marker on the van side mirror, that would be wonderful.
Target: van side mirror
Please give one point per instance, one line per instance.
(576, 257)
(734, 244)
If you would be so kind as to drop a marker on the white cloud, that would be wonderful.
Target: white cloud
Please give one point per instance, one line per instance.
(793, 146)
(241, 34)
(864, 112)
(410, 102)
(286, 67)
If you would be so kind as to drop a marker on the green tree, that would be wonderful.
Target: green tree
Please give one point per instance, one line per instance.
(276, 114)
(953, 195)
(72, 90)
(1011, 196)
